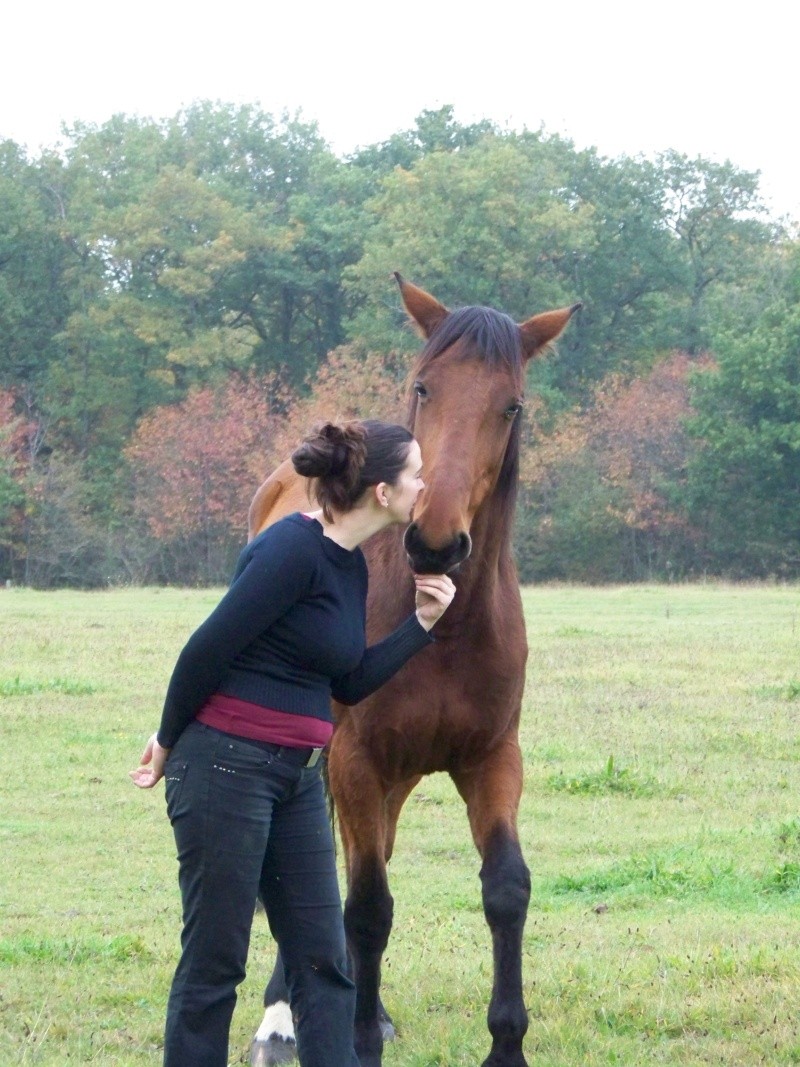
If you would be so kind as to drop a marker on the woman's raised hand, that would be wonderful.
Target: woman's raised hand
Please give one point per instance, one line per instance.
(435, 593)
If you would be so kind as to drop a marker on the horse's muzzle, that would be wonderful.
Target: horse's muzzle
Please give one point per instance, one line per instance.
(425, 560)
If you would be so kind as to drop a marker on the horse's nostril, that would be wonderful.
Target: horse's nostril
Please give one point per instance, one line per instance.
(426, 560)
(410, 538)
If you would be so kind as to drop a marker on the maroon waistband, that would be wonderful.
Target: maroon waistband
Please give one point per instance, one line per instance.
(243, 719)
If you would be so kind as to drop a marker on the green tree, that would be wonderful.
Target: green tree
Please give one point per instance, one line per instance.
(96, 380)
(433, 131)
(202, 245)
(478, 226)
(626, 272)
(744, 482)
(33, 302)
(302, 208)
(714, 211)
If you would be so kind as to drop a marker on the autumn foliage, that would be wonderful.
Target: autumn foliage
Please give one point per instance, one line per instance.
(350, 384)
(15, 434)
(598, 496)
(196, 464)
(601, 484)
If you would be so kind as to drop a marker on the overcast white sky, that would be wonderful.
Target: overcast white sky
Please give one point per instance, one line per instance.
(701, 76)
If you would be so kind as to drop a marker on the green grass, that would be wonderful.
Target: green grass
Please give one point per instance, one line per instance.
(660, 821)
(73, 951)
(21, 687)
(610, 779)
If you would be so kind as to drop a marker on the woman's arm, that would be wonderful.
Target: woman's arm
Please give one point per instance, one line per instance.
(434, 595)
(277, 574)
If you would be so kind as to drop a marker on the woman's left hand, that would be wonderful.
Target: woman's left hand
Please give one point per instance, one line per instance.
(435, 593)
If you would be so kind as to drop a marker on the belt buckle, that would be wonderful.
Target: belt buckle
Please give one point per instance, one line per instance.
(313, 759)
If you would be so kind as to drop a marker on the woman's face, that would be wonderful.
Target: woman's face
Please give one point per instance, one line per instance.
(402, 496)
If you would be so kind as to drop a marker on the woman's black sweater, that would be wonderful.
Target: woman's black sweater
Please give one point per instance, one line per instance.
(289, 632)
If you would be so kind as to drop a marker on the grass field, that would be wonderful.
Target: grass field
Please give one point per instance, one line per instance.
(660, 821)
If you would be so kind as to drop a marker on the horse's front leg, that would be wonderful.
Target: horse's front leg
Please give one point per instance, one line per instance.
(362, 810)
(506, 886)
(492, 794)
(368, 915)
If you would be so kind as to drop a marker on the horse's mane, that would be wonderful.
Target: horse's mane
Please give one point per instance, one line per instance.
(495, 338)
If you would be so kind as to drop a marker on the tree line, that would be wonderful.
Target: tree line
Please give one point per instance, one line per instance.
(180, 299)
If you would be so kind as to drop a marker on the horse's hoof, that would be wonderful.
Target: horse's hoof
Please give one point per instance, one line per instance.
(506, 1059)
(272, 1051)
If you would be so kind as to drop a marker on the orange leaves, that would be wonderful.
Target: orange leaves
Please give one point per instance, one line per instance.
(197, 464)
(350, 384)
(633, 436)
(15, 432)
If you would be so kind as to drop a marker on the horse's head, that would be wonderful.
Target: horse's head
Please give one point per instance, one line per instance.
(467, 390)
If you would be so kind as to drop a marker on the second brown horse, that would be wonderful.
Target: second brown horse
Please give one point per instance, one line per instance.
(456, 706)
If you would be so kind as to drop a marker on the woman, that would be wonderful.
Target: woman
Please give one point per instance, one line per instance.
(246, 716)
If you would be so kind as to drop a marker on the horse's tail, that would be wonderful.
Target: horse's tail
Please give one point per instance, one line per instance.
(326, 785)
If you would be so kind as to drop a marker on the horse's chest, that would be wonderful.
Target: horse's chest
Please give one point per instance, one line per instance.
(435, 717)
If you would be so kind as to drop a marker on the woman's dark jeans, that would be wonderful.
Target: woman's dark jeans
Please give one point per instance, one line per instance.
(249, 820)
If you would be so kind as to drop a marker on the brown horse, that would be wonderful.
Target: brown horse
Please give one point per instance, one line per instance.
(455, 707)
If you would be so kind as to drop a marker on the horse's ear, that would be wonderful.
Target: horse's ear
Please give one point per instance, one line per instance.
(539, 331)
(424, 309)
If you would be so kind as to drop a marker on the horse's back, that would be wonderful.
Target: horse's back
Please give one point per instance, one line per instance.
(282, 493)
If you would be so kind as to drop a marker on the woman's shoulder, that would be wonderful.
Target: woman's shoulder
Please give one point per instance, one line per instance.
(290, 543)
(290, 530)
(303, 536)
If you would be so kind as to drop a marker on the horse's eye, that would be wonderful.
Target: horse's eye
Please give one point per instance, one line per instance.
(420, 390)
(511, 411)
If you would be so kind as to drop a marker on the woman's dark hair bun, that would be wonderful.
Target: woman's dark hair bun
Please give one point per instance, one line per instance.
(332, 451)
(344, 460)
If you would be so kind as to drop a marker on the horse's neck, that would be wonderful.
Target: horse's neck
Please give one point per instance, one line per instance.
(491, 559)
(493, 528)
